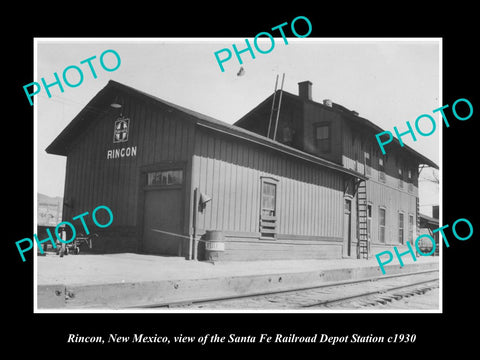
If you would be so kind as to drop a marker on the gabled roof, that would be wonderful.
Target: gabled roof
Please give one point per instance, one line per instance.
(351, 116)
(100, 104)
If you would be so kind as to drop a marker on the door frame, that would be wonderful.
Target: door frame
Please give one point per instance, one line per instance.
(347, 238)
(143, 188)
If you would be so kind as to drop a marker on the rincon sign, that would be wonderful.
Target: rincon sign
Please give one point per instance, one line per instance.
(122, 152)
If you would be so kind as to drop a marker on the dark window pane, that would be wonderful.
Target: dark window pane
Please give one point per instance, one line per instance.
(400, 228)
(381, 221)
(410, 228)
(382, 217)
(323, 132)
(166, 177)
(322, 137)
(268, 196)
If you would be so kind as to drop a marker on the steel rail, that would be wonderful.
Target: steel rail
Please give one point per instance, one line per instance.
(290, 290)
(366, 294)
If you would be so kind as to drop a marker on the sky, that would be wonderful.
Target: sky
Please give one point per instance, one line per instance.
(387, 81)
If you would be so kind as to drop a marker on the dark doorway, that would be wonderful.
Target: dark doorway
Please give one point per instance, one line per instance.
(347, 228)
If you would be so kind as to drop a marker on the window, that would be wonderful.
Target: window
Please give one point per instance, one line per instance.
(322, 133)
(165, 177)
(287, 135)
(368, 163)
(400, 178)
(410, 229)
(400, 228)
(369, 221)
(381, 224)
(268, 198)
(410, 185)
(381, 169)
(268, 212)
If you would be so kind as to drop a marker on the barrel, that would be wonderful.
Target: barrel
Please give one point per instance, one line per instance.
(214, 245)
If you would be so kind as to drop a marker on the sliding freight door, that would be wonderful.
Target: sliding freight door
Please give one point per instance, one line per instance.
(163, 213)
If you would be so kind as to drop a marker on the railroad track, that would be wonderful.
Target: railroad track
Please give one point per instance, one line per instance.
(352, 294)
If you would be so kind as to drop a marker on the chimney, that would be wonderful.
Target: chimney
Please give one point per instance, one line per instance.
(305, 90)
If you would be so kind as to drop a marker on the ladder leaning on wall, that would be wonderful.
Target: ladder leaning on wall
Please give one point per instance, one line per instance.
(362, 233)
(275, 111)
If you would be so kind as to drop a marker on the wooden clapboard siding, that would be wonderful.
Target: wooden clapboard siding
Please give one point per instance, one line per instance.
(161, 137)
(237, 248)
(309, 197)
(382, 193)
(394, 200)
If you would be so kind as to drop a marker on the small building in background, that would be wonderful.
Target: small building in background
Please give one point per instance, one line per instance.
(427, 225)
(49, 215)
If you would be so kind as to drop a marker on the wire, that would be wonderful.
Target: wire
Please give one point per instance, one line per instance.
(76, 104)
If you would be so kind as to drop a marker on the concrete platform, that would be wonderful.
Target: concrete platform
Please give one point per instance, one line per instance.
(116, 281)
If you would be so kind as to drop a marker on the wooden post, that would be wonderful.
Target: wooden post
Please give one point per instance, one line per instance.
(193, 242)
(63, 247)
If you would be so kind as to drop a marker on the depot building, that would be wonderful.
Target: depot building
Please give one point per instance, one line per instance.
(312, 183)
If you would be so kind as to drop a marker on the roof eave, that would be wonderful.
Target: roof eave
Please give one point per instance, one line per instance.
(247, 135)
